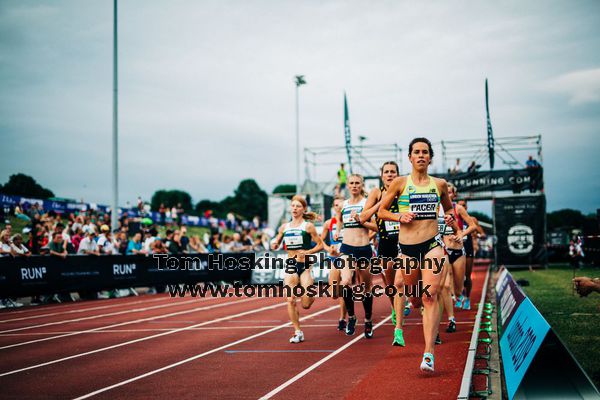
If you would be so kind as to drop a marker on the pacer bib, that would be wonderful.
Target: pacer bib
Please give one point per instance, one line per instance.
(423, 201)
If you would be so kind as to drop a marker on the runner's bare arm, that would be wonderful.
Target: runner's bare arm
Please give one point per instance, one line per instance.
(310, 228)
(276, 242)
(447, 204)
(371, 205)
(395, 188)
(468, 219)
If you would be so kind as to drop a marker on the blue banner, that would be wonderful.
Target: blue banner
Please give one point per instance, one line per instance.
(520, 343)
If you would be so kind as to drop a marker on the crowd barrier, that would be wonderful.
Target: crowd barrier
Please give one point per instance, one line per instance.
(38, 275)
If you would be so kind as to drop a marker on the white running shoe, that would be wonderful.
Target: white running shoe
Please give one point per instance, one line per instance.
(297, 338)
(427, 363)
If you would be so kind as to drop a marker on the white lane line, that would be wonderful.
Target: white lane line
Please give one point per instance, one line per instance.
(114, 346)
(81, 310)
(206, 328)
(197, 356)
(112, 314)
(66, 306)
(316, 365)
(128, 323)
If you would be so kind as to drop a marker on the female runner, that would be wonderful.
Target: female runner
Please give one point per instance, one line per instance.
(471, 225)
(356, 242)
(387, 249)
(297, 236)
(456, 257)
(419, 198)
(333, 249)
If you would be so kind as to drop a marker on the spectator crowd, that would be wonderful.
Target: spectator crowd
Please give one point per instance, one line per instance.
(88, 233)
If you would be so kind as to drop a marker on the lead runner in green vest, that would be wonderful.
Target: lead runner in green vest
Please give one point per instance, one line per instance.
(419, 197)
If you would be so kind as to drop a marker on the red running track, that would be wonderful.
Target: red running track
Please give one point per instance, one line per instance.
(219, 348)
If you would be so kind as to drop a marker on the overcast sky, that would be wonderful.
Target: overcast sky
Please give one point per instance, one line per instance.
(207, 95)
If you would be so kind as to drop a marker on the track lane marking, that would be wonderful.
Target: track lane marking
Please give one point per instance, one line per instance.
(201, 355)
(114, 346)
(68, 321)
(80, 310)
(318, 363)
(128, 323)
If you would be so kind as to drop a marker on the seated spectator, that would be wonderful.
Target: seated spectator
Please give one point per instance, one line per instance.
(150, 235)
(122, 243)
(227, 245)
(106, 244)
(196, 246)
(18, 247)
(6, 248)
(77, 237)
(135, 245)
(158, 247)
(88, 245)
(174, 246)
(57, 247)
(531, 163)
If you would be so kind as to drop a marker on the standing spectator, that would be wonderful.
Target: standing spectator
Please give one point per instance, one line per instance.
(185, 240)
(532, 163)
(135, 245)
(174, 216)
(140, 204)
(162, 211)
(456, 169)
(19, 248)
(88, 245)
(473, 167)
(57, 246)
(342, 178)
(180, 211)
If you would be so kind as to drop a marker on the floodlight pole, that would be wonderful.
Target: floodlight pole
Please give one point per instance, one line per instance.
(114, 220)
(299, 80)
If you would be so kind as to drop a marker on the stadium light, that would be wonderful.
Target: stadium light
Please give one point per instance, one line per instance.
(299, 80)
(114, 218)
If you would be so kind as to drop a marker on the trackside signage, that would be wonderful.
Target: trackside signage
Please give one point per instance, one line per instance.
(535, 363)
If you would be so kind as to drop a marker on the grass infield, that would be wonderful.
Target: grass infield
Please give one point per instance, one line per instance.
(576, 320)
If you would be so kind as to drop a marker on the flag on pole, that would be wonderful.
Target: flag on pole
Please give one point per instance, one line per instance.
(347, 135)
(490, 133)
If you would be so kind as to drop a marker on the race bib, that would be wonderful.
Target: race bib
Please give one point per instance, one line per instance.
(293, 240)
(348, 220)
(392, 226)
(424, 205)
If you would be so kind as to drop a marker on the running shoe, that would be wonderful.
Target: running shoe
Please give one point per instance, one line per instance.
(297, 338)
(393, 316)
(467, 304)
(398, 338)
(407, 309)
(342, 325)
(368, 329)
(427, 363)
(351, 327)
(438, 339)
(451, 326)
(459, 301)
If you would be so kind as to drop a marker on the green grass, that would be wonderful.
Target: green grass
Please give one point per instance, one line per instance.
(576, 320)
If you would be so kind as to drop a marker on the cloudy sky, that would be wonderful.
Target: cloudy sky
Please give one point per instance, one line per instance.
(207, 95)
